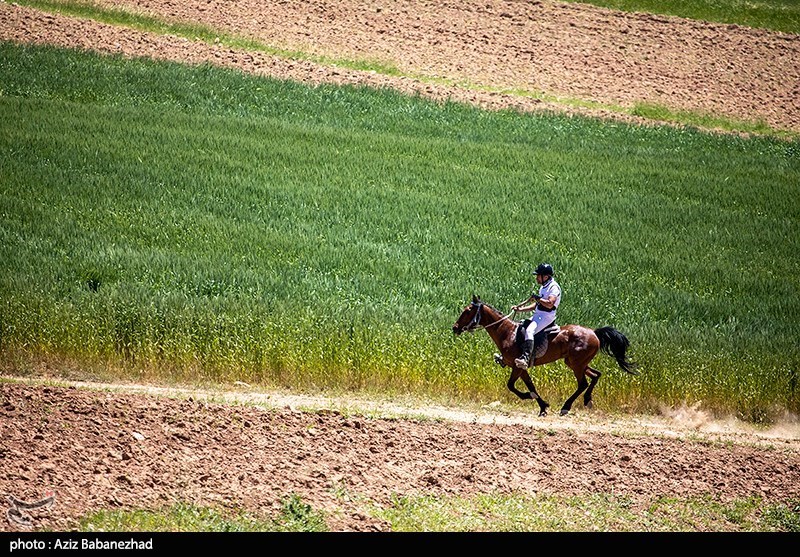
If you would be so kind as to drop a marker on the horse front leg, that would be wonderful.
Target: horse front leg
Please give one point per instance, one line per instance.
(512, 382)
(532, 394)
(543, 405)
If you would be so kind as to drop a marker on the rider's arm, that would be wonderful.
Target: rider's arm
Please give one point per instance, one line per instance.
(548, 303)
(527, 305)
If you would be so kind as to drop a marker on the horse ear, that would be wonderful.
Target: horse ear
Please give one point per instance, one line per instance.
(475, 299)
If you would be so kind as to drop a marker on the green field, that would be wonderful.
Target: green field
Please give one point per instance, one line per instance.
(171, 223)
(776, 15)
(773, 15)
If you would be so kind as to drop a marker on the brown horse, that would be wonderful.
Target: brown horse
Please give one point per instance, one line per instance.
(577, 345)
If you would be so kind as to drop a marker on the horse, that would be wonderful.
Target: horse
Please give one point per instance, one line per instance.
(576, 344)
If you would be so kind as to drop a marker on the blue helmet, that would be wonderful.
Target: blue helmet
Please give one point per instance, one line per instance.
(544, 269)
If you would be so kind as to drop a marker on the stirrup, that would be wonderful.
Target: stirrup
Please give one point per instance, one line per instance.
(522, 362)
(498, 359)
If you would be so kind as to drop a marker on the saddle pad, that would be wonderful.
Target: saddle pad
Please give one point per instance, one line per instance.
(540, 348)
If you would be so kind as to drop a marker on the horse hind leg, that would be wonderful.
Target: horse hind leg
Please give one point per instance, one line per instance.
(583, 384)
(594, 376)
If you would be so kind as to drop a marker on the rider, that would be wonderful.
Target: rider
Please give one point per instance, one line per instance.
(544, 305)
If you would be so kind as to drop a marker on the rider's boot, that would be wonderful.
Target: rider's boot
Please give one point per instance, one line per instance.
(527, 349)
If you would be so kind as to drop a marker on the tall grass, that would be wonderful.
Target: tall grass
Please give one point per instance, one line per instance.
(197, 224)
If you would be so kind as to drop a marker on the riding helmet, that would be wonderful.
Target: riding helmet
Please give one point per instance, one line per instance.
(544, 269)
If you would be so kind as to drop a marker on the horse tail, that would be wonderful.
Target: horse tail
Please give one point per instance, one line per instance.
(615, 344)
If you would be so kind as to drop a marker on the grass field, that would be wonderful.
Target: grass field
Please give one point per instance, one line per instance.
(776, 15)
(773, 15)
(196, 224)
(167, 223)
(493, 512)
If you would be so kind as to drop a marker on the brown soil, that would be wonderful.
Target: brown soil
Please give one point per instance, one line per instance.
(126, 447)
(134, 447)
(567, 50)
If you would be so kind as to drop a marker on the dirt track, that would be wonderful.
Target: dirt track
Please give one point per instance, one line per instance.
(108, 449)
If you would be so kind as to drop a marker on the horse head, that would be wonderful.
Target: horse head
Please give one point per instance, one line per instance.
(470, 318)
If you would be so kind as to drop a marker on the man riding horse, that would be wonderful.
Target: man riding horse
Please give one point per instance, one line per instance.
(577, 345)
(543, 305)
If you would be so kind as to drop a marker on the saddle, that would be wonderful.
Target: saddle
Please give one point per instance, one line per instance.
(540, 340)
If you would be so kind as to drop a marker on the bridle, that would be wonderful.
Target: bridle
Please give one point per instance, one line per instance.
(474, 323)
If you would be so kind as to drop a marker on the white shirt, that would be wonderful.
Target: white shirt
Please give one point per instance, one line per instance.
(541, 317)
(550, 288)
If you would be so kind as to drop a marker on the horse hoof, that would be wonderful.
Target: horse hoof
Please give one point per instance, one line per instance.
(564, 411)
(543, 406)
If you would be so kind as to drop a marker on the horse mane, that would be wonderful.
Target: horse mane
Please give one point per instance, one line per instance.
(490, 306)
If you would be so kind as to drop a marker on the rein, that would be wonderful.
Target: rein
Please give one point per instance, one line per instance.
(475, 323)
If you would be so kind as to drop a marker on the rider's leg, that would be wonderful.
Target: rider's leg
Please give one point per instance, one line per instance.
(539, 321)
(527, 346)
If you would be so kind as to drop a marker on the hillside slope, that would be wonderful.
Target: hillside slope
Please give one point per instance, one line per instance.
(568, 54)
